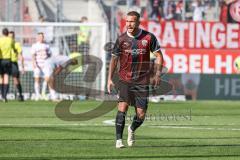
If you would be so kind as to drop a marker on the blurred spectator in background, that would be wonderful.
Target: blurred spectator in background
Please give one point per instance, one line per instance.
(84, 37)
(198, 10)
(135, 2)
(179, 10)
(134, 5)
(223, 17)
(169, 10)
(209, 12)
(155, 12)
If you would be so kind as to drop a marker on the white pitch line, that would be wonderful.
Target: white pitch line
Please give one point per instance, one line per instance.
(111, 123)
(105, 123)
(197, 128)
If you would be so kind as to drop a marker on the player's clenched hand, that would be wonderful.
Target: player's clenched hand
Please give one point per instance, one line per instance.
(23, 71)
(110, 84)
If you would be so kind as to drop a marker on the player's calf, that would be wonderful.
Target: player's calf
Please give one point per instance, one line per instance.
(120, 123)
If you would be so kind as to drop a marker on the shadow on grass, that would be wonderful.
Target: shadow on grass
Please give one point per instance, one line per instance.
(57, 139)
(73, 129)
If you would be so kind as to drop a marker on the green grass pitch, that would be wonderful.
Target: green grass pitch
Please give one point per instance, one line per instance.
(172, 130)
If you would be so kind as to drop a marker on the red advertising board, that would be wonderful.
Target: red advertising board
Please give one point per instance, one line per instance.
(206, 61)
(196, 47)
(194, 35)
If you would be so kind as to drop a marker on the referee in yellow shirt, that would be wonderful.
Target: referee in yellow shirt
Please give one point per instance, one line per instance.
(16, 54)
(1, 80)
(6, 47)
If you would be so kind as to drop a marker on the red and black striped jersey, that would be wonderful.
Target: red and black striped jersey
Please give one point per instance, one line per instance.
(134, 56)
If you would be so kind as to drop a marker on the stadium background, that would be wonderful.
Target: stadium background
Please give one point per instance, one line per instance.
(207, 47)
(172, 130)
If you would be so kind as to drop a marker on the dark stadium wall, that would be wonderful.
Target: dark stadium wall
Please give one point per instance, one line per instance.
(211, 86)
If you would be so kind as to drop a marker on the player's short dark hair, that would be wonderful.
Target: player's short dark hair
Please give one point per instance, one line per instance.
(5, 31)
(41, 17)
(12, 32)
(84, 19)
(41, 33)
(134, 13)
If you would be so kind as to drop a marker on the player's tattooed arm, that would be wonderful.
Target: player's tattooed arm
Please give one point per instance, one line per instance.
(158, 62)
(158, 66)
(112, 67)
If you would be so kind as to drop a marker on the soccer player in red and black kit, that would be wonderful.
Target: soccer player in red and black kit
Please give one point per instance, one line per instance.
(132, 50)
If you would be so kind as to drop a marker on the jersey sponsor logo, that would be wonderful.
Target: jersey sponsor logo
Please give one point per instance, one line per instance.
(136, 51)
(144, 43)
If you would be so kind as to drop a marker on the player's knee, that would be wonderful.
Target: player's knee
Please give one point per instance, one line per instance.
(16, 81)
(120, 118)
(122, 106)
(141, 115)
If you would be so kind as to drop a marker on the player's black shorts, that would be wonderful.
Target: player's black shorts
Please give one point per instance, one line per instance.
(134, 94)
(15, 70)
(6, 66)
(0, 66)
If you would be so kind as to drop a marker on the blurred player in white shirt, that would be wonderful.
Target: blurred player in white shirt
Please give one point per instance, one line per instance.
(40, 53)
(54, 65)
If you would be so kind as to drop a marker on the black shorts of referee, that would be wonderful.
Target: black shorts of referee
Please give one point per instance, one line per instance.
(6, 66)
(0, 66)
(15, 70)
